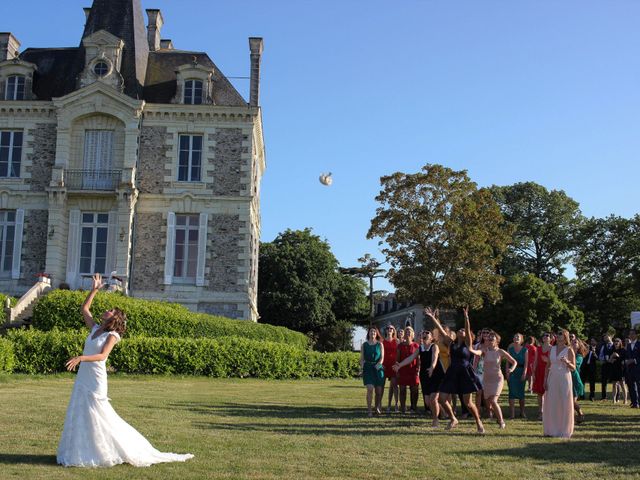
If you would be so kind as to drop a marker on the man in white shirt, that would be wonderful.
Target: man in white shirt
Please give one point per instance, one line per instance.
(604, 352)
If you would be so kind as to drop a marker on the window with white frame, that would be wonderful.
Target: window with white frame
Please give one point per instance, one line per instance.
(7, 236)
(190, 158)
(10, 153)
(186, 247)
(94, 230)
(15, 88)
(98, 159)
(193, 92)
(185, 252)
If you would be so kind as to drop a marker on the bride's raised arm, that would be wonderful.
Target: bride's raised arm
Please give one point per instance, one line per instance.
(96, 284)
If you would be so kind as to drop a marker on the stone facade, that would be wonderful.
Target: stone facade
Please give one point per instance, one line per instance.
(101, 159)
(229, 310)
(148, 253)
(154, 151)
(224, 261)
(227, 162)
(34, 246)
(43, 146)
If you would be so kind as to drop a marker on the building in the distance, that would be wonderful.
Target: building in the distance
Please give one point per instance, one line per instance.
(389, 311)
(126, 154)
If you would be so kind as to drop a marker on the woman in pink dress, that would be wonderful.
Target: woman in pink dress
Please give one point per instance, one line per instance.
(492, 378)
(557, 416)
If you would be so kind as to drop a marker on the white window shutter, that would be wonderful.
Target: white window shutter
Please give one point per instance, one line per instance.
(170, 248)
(17, 244)
(111, 242)
(73, 248)
(202, 249)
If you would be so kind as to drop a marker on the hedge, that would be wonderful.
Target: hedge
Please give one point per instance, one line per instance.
(46, 352)
(7, 356)
(61, 309)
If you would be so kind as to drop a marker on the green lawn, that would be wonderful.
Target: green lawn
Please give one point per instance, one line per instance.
(303, 429)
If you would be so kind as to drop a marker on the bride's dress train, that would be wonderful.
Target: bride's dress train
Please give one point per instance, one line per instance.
(94, 435)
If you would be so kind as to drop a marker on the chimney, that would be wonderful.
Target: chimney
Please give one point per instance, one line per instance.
(87, 12)
(9, 46)
(153, 29)
(166, 44)
(256, 46)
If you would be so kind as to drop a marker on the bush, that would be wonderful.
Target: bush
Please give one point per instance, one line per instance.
(7, 356)
(61, 309)
(46, 352)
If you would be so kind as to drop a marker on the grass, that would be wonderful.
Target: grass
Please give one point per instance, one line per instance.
(259, 429)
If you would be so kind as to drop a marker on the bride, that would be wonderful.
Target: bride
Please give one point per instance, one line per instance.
(94, 435)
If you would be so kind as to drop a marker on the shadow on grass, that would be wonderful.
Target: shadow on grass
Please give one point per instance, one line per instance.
(16, 459)
(613, 453)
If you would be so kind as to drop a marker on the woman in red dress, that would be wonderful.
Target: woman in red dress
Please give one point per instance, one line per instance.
(408, 375)
(532, 348)
(539, 367)
(390, 344)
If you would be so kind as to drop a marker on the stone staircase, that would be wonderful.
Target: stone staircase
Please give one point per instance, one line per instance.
(20, 314)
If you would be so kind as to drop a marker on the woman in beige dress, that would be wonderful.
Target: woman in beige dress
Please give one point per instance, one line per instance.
(492, 379)
(557, 415)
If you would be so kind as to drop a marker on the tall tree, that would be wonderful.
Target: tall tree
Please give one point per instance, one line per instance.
(607, 266)
(529, 306)
(545, 224)
(300, 287)
(443, 237)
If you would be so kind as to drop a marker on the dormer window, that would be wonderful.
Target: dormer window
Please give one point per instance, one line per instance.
(15, 88)
(101, 69)
(193, 92)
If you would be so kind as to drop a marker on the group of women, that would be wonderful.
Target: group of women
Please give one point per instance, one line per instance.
(449, 365)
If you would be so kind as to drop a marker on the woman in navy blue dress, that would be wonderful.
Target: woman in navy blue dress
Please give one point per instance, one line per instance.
(460, 378)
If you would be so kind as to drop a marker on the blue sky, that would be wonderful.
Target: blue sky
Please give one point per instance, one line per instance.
(539, 90)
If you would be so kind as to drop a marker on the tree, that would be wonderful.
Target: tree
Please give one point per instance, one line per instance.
(299, 287)
(607, 263)
(530, 306)
(370, 269)
(444, 237)
(545, 224)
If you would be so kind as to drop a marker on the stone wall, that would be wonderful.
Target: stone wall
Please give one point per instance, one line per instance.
(227, 161)
(224, 247)
(43, 156)
(34, 245)
(229, 310)
(148, 252)
(153, 156)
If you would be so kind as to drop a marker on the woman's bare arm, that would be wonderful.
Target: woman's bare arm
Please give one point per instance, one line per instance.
(433, 315)
(96, 284)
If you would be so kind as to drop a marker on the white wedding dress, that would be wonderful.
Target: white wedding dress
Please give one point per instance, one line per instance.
(94, 435)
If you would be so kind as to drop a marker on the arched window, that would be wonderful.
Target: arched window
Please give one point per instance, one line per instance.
(193, 92)
(15, 88)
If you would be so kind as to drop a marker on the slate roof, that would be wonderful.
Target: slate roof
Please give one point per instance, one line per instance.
(58, 69)
(124, 19)
(160, 84)
(147, 75)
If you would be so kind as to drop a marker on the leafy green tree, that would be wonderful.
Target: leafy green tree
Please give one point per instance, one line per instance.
(607, 266)
(443, 237)
(300, 287)
(530, 306)
(545, 225)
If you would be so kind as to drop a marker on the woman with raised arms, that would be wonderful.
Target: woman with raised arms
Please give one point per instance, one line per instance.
(460, 377)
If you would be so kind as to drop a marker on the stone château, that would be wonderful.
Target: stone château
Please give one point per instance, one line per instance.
(126, 154)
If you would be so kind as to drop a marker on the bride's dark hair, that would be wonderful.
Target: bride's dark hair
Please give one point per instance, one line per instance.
(119, 322)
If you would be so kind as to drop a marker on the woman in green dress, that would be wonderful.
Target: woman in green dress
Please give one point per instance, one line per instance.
(371, 357)
(580, 349)
(517, 378)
